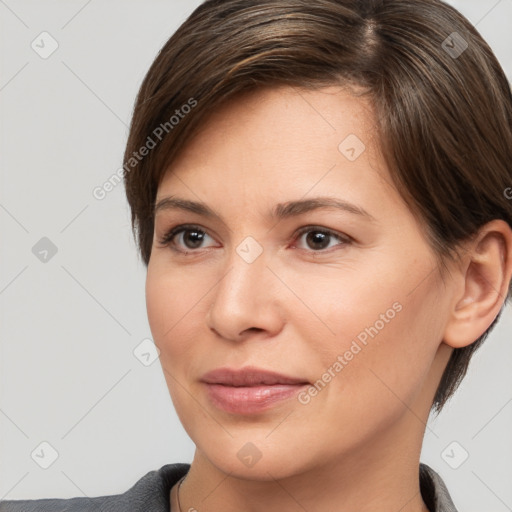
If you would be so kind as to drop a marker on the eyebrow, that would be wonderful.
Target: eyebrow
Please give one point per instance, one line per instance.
(280, 211)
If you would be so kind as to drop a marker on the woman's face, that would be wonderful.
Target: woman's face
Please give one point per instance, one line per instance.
(347, 299)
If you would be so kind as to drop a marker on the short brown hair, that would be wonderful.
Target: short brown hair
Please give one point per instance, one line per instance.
(442, 101)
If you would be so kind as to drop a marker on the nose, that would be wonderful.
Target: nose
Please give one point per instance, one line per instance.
(247, 299)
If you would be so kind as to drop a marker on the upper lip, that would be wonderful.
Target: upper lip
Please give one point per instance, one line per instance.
(248, 376)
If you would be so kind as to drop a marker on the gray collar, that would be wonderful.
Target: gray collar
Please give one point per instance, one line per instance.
(434, 491)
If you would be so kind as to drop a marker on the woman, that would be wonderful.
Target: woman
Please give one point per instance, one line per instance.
(319, 192)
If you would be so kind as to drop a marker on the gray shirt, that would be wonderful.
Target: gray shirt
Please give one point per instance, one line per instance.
(151, 494)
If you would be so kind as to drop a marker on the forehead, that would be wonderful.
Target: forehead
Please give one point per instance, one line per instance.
(279, 145)
(279, 125)
(332, 108)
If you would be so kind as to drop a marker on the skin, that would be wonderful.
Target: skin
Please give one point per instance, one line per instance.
(298, 306)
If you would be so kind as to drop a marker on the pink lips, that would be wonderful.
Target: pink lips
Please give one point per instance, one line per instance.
(249, 390)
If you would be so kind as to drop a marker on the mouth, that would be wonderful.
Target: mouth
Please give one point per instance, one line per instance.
(249, 390)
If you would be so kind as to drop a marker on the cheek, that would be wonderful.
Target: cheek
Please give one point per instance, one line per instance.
(158, 304)
(385, 331)
(177, 305)
(336, 306)
(166, 304)
(389, 372)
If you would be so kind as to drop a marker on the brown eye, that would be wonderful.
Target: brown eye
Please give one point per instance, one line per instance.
(192, 238)
(187, 236)
(318, 239)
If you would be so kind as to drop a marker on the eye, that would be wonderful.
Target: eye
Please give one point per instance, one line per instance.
(191, 237)
(188, 235)
(318, 238)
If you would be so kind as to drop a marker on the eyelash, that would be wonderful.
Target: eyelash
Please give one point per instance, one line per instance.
(168, 237)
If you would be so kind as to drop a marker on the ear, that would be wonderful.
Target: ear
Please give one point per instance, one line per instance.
(483, 286)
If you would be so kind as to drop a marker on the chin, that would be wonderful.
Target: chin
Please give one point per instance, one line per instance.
(260, 461)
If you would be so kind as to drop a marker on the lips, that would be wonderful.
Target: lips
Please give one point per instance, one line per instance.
(249, 376)
(249, 390)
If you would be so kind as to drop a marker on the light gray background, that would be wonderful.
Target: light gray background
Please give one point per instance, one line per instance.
(68, 374)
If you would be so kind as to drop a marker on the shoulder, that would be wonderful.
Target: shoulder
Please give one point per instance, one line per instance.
(434, 492)
(149, 494)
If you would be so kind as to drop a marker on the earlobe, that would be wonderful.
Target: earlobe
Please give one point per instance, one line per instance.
(484, 283)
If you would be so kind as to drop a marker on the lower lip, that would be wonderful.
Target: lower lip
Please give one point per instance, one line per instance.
(253, 399)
